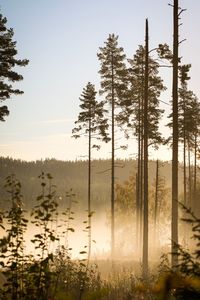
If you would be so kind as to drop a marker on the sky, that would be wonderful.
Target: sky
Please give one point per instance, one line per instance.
(61, 39)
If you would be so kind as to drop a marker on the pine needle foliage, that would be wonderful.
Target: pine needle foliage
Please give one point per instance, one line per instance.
(8, 62)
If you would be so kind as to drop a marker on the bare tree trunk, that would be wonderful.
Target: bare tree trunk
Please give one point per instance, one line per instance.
(89, 193)
(137, 212)
(189, 178)
(184, 172)
(184, 186)
(156, 205)
(113, 170)
(138, 196)
(145, 219)
(195, 173)
(184, 159)
(141, 191)
(142, 163)
(174, 228)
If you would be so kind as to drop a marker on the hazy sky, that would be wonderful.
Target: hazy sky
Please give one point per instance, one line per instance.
(61, 39)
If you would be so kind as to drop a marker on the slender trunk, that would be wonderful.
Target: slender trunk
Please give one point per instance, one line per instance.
(142, 162)
(113, 169)
(145, 219)
(189, 177)
(184, 187)
(141, 193)
(195, 173)
(174, 228)
(156, 237)
(138, 196)
(184, 173)
(184, 157)
(137, 212)
(89, 192)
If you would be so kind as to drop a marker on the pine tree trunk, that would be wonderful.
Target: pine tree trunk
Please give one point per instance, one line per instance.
(137, 213)
(138, 196)
(89, 193)
(142, 164)
(141, 193)
(184, 173)
(174, 228)
(184, 186)
(156, 206)
(145, 218)
(184, 158)
(189, 178)
(113, 170)
(195, 173)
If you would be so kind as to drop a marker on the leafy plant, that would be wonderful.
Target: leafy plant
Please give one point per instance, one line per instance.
(44, 216)
(13, 244)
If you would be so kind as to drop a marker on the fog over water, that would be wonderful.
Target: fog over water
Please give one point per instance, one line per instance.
(126, 247)
(78, 239)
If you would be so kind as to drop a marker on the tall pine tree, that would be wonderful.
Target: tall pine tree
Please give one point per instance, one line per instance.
(90, 121)
(133, 115)
(175, 135)
(113, 85)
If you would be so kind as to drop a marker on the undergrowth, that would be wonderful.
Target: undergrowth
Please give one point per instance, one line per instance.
(51, 273)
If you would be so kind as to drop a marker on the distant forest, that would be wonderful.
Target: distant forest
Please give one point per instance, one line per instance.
(69, 175)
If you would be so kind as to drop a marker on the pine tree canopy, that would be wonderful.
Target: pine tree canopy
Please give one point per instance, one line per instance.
(8, 62)
(91, 118)
(113, 70)
(133, 106)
